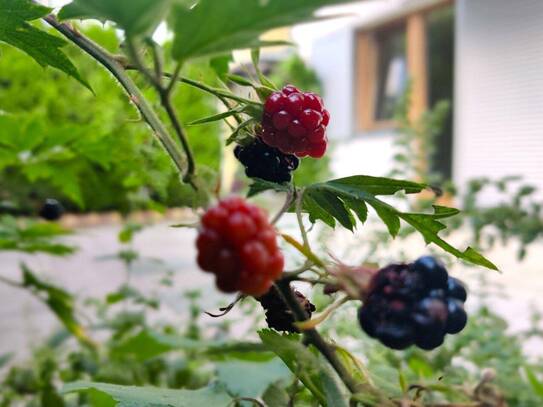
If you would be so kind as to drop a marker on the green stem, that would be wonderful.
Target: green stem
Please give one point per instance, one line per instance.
(118, 71)
(284, 208)
(166, 102)
(299, 201)
(11, 283)
(313, 337)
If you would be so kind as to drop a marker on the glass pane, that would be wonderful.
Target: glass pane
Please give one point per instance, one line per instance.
(391, 70)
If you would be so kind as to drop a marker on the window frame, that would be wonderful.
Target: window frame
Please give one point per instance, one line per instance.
(367, 75)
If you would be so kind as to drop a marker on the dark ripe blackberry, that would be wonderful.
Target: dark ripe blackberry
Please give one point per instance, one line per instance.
(430, 340)
(456, 289)
(397, 280)
(51, 210)
(438, 293)
(413, 303)
(367, 320)
(278, 314)
(433, 272)
(265, 162)
(396, 335)
(457, 317)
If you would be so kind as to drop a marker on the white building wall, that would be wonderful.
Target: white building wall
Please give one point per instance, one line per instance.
(499, 90)
(329, 47)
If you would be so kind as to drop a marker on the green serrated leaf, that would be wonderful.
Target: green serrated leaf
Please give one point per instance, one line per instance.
(332, 205)
(44, 48)
(299, 359)
(221, 64)
(376, 185)
(136, 17)
(131, 396)
(359, 190)
(316, 212)
(234, 24)
(389, 217)
(258, 375)
(358, 207)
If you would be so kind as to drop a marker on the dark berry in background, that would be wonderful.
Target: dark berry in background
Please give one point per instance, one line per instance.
(278, 314)
(265, 162)
(51, 210)
(413, 304)
(295, 122)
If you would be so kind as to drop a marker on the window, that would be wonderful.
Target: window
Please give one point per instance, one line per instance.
(392, 76)
(417, 49)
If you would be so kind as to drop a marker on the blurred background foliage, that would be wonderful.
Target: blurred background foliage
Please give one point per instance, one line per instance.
(91, 151)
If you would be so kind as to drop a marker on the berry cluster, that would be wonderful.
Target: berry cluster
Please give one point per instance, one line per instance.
(295, 122)
(415, 303)
(278, 314)
(51, 210)
(239, 246)
(268, 163)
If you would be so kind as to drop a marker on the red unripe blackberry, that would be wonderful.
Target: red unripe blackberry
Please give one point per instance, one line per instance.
(295, 122)
(238, 245)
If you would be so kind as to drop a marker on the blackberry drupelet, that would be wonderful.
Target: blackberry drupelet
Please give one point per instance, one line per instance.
(265, 162)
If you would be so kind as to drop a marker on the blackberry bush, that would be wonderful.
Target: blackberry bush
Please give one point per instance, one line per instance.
(404, 304)
(415, 303)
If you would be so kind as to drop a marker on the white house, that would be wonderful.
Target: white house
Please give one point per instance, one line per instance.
(485, 56)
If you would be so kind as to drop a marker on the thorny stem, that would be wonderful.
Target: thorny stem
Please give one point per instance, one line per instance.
(313, 337)
(284, 208)
(299, 200)
(112, 64)
(166, 102)
(11, 283)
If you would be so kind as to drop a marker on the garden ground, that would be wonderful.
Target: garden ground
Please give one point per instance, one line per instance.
(24, 321)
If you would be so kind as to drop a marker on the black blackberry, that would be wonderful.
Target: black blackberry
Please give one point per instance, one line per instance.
(265, 162)
(415, 303)
(51, 210)
(278, 315)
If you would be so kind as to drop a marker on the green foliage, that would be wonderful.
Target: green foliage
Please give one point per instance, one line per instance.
(129, 396)
(333, 200)
(227, 29)
(306, 365)
(43, 47)
(32, 237)
(92, 152)
(138, 17)
(59, 302)
(515, 215)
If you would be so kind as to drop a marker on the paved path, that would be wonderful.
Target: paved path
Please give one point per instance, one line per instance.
(24, 321)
